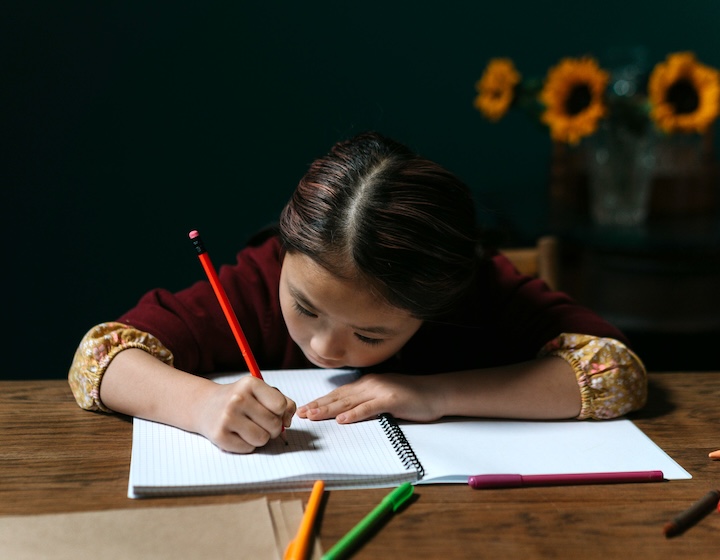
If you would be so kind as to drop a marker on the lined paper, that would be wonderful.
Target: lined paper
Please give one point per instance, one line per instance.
(167, 460)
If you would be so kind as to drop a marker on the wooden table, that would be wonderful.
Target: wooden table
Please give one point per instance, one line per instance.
(55, 457)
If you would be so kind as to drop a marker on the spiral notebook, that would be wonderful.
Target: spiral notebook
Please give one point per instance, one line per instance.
(381, 452)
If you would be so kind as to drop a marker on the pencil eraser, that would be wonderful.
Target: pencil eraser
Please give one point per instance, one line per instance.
(193, 234)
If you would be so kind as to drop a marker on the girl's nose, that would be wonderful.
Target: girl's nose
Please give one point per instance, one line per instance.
(328, 344)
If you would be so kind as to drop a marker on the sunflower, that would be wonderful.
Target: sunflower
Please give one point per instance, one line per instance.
(573, 98)
(496, 88)
(684, 94)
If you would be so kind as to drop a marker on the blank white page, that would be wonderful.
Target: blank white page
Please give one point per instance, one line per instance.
(452, 449)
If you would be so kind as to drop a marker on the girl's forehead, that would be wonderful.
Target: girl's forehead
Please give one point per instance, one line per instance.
(353, 301)
(309, 277)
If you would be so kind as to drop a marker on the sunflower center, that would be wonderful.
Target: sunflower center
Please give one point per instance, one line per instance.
(578, 99)
(683, 96)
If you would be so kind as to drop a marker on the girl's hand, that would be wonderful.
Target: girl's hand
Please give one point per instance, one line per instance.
(407, 397)
(242, 416)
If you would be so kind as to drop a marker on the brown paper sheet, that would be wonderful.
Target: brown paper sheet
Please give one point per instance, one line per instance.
(254, 529)
(287, 516)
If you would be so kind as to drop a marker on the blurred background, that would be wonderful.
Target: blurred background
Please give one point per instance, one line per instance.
(127, 124)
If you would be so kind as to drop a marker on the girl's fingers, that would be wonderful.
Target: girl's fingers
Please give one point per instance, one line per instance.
(252, 414)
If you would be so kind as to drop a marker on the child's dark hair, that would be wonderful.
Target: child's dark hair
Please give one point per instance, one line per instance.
(374, 211)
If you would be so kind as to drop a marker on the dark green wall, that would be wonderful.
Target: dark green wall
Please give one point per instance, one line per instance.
(126, 124)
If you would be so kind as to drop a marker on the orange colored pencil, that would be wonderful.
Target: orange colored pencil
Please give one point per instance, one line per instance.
(298, 548)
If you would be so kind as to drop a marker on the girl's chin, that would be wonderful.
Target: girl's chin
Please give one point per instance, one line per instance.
(324, 364)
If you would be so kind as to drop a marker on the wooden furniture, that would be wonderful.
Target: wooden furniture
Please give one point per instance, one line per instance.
(55, 457)
(654, 279)
(540, 260)
(658, 282)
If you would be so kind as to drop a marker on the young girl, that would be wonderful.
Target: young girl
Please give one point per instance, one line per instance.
(376, 266)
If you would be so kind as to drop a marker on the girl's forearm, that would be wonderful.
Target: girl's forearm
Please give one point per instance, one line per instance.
(545, 388)
(137, 384)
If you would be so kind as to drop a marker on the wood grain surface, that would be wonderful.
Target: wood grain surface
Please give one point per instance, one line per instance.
(55, 457)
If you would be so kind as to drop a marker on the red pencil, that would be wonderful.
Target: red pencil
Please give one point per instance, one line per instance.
(225, 304)
(226, 307)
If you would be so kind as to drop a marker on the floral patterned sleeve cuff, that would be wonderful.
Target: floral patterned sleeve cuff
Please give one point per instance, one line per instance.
(612, 379)
(97, 349)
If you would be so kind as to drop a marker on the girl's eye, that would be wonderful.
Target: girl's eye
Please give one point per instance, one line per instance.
(302, 311)
(366, 340)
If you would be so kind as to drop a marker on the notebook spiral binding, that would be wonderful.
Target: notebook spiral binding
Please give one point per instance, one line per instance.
(401, 445)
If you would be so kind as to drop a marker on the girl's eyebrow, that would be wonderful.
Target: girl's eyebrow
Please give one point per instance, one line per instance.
(379, 329)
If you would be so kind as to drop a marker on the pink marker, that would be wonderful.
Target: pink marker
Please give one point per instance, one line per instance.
(516, 480)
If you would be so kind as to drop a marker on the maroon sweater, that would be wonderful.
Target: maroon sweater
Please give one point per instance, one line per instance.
(507, 319)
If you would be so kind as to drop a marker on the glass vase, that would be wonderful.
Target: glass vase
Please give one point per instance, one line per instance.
(620, 166)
